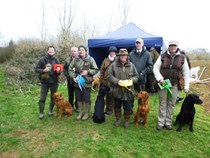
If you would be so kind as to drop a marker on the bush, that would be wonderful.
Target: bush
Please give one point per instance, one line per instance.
(6, 53)
(19, 68)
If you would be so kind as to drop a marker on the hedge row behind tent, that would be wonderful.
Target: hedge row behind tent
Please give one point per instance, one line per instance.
(122, 38)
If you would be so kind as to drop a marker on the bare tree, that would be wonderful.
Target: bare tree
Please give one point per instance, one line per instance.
(43, 30)
(66, 18)
(124, 11)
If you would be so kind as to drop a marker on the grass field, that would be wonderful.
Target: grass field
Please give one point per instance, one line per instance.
(23, 135)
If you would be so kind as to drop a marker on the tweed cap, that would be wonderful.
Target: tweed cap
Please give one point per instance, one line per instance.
(123, 51)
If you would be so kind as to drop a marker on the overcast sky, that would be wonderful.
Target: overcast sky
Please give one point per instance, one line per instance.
(184, 20)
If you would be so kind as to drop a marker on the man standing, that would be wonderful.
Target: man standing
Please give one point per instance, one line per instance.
(142, 60)
(104, 83)
(83, 66)
(49, 79)
(170, 65)
(122, 70)
(70, 82)
(150, 75)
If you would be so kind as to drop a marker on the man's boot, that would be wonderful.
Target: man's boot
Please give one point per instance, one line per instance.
(50, 113)
(41, 110)
(109, 105)
(117, 112)
(76, 106)
(80, 108)
(127, 115)
(87, 111)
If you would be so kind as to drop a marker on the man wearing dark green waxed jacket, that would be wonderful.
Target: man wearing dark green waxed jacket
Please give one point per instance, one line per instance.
(119, 71)
(85, 66)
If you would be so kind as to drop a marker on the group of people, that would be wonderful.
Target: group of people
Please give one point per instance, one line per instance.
(139, 66)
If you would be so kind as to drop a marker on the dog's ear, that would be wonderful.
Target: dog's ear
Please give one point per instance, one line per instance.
(146, 95)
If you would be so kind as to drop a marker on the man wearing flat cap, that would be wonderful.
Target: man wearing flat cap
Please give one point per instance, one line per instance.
(170, 65)
(121, 70)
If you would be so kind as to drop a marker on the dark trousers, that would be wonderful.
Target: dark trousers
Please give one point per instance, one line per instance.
(104, 91)
(84, 95)
(150, 83)
(45, 87)
(71, 89)
(127, 104)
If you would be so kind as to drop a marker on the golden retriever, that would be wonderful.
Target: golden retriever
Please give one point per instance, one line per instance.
(143, 109)
(63, 106)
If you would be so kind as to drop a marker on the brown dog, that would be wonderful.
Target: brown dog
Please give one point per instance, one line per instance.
(143, 109)
(63, 106)
(96, 83)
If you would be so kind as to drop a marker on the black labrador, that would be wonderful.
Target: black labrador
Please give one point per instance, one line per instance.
(187, 112)
(99, 116)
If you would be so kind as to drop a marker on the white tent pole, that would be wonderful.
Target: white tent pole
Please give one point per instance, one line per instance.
(202, 73)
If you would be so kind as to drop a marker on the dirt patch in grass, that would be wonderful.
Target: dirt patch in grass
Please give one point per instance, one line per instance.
(9, 154)
(35, 139)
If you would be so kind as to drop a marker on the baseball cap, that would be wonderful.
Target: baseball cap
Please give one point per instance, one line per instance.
(173, 42)
(140, 40)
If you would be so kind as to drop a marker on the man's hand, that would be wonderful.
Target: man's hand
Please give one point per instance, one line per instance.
(46, 70)
(75, 79)
(162, 82)
(84, 73)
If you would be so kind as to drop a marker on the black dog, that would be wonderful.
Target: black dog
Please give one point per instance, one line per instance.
(186, 115)
(99, 116)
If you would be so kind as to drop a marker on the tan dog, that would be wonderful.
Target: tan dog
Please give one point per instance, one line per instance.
(63, 106)
(143, 109)
(96, 83)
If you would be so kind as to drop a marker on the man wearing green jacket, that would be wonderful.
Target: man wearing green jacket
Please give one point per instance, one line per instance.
(120, 71)
(83, 66)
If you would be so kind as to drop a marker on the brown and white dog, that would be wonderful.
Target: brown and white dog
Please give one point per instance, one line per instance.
(63, 106)
(143, 109)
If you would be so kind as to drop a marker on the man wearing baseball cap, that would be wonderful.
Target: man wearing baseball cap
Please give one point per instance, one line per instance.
(142, 60)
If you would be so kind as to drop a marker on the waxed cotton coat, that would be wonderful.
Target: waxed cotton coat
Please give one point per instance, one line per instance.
(117, 72)
(86, 63)
(104, 71)
(51, 76)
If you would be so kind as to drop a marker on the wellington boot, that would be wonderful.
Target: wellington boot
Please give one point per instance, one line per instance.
(80, 108)
(87, 111)
(117, 123)
(126, 124)
(117, 112)
(41, 115)
(50, 113)
(127, 115)
(41, 110)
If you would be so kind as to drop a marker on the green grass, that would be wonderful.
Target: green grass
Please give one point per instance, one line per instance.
(23, 135)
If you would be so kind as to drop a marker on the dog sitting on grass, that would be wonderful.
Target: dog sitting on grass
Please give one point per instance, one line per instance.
(187, 112)
(63, 106)
(143, 109)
